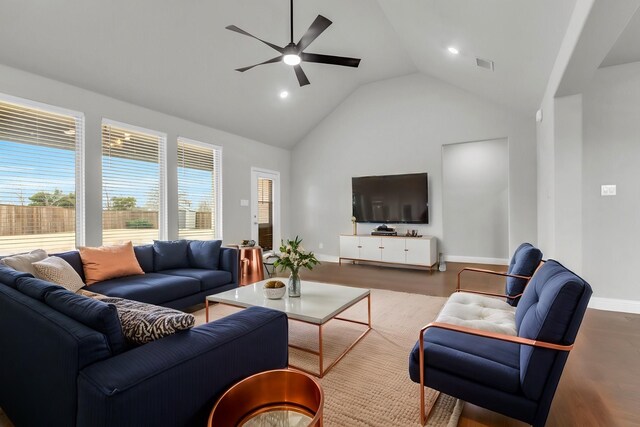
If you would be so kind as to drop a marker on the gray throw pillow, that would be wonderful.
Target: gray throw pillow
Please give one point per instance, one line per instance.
(22, 262)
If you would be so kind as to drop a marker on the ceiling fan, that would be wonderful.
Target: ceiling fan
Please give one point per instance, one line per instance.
(292, 54)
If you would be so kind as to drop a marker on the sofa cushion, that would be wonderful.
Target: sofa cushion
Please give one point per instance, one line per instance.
(73, 258)
(152, 288)
(23, 262)
(489, 362)
(524, 262)
(204, 254)
(479, 312)
(143, 323)
(9, 276)
(144, 254)
(58, 271)
(95, 314)
(36, 288)
(209, 279)
(109, 262)
(168, 255)
(546, 312)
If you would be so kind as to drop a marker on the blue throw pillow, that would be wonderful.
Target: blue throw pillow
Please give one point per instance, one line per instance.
(144, 255)
(169, 255)
(92, 313)
(204, 254)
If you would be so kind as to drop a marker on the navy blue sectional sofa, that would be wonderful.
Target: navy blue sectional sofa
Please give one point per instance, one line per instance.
(65, 362)
(178, 275)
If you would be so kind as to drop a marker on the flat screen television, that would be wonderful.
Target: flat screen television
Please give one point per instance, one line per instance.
(391, 198)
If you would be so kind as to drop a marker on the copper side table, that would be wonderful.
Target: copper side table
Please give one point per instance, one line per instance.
(278, 397)
(251, 269)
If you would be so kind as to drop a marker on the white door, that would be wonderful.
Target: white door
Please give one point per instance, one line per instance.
(393, 250)
(370, 248)
(265, 208)
(418, 251)
(350, 247)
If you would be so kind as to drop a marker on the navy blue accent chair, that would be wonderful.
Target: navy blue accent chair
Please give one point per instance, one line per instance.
(513, 375)
(523, 264)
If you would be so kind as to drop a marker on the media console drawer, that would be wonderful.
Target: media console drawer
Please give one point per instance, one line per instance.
(417, 251)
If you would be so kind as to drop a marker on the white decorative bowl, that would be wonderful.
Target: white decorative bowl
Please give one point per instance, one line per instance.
(274, 293)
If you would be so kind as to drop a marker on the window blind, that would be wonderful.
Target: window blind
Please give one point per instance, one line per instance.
(199, 201)
(265, 200)
(40, 177)
(132, 184)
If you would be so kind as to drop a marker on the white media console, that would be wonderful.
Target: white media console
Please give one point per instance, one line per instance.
(414, 251)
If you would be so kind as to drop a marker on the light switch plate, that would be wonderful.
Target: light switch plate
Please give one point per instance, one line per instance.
(608, 190)
(244, 202)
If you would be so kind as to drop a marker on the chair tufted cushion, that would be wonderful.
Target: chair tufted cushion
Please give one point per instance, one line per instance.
(479, 312)
(524, 262)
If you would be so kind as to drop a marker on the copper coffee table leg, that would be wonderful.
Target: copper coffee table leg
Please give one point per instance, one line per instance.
(320, 351)
(206, 310)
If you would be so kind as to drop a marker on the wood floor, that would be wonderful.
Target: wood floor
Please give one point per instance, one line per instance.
(600, 385)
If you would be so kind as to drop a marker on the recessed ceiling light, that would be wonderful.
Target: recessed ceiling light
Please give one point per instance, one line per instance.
(284, 94)
(453, 50)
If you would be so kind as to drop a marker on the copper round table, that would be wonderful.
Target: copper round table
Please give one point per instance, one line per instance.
(284, 397)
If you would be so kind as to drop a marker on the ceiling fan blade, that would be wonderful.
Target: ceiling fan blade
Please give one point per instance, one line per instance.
(241, 31)
(270, 61)
(317, 27)
(329, 59)
(302, 77)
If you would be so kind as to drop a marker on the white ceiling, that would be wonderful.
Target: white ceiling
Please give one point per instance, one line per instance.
(627, 47)
(177, 58)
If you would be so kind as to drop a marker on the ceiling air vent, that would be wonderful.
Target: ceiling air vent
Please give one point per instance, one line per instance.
(484, 63)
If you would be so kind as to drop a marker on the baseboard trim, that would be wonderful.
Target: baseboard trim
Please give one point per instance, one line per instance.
(615, 304)
(476, 260)
(327, 258)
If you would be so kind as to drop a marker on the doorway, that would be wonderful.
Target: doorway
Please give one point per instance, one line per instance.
(475, 197)
(265, 208)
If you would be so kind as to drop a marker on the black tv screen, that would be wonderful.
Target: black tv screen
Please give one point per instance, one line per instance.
(391, 198)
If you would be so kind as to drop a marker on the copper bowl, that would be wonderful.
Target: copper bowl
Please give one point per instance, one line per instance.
(278, 393)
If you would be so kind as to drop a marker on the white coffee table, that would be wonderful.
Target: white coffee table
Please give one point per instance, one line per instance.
(319, 303)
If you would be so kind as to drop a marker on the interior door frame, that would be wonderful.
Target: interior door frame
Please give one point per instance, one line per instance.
(257, 173)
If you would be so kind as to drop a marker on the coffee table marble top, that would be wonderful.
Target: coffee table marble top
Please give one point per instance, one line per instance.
(318, 303)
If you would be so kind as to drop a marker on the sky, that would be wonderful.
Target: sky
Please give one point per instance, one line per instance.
(48, 169)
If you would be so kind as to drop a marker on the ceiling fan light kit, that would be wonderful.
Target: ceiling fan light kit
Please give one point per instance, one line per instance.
(293, 54)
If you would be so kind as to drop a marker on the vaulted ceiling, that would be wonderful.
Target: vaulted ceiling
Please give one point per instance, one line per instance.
(176, 56)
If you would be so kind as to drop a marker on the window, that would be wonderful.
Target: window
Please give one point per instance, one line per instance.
(40, 177)
(133, 184)
(199, 201)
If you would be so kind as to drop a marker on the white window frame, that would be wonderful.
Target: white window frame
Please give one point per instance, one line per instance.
(163, 220)
(217, 172)
(80, 233)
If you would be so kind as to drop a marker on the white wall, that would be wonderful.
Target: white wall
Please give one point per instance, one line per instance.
(611, 229)
(239, 154)
(399, 126)
(475, 193)
(567, 221)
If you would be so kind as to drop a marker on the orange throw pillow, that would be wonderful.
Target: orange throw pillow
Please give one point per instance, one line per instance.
(108, 262)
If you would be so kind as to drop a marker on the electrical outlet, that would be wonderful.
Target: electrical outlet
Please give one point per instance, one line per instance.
(320, 245)
(608, 190)
(244, 202)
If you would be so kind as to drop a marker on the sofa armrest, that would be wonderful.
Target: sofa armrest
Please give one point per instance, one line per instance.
(176, 380)
(230, 261)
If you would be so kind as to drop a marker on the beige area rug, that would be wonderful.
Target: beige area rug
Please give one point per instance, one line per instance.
(370, 386)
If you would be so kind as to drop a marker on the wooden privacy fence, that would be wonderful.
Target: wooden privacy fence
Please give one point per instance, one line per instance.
(128, 219)
(22, 220)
